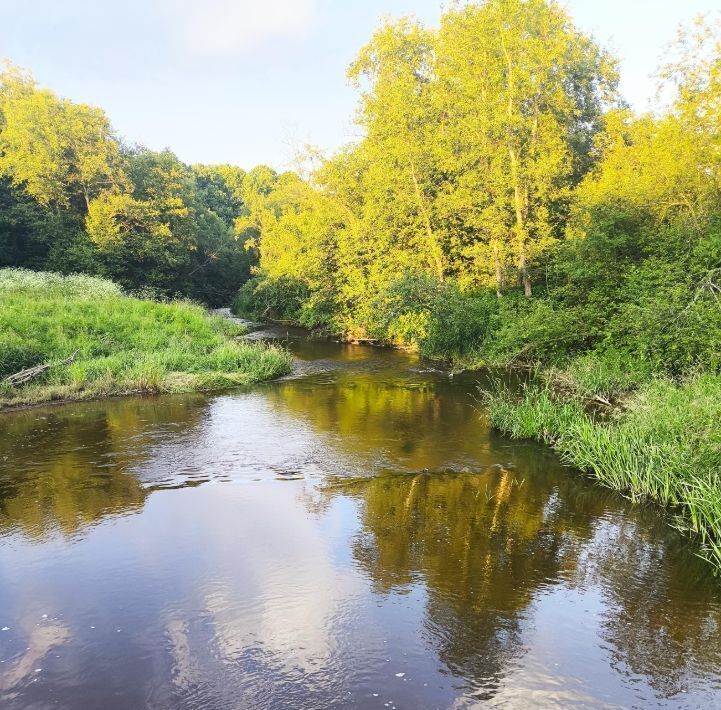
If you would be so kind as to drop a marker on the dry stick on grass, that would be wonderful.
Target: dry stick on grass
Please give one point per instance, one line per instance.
(20, 378)
(564, 383)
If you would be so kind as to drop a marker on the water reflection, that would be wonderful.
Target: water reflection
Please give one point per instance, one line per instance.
(62, 469)
(495, 550)
(420, 562)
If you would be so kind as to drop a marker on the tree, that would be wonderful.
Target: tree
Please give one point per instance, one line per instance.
(221, 261)
(522, 93)
(474, 137)
(63, 154)
(400, 120)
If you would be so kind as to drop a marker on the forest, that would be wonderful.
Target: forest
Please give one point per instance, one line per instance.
(76, 198)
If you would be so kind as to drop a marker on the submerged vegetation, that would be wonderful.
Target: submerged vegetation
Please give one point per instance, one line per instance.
(121, 344)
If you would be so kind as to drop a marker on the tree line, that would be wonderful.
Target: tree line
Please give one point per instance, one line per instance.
(75, 198)
(504, 201)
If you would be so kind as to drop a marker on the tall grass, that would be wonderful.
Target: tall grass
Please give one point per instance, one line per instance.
(49, 283)
(608, 374)
(665, 445)
(123, 344)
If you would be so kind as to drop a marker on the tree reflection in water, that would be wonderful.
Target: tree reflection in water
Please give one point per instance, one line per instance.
(487, 546)
(418, 541)
(64, 469)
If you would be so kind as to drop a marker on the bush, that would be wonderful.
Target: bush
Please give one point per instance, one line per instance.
(536, 330)
(437, 318)
(671, 320)
(401, 313)
(461, 324)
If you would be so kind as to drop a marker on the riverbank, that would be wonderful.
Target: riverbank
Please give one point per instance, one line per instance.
(660, 441)
(646, 435)
(100, 342)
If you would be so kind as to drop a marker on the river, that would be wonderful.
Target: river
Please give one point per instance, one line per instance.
(351, 536)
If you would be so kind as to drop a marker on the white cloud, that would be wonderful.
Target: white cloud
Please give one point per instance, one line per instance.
(232, 27)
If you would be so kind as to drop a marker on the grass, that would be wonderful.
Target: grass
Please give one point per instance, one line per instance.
(608, 376)
(124, 344)
(664, 445)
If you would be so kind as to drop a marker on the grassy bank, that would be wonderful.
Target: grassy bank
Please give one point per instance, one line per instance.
(661, 442)
(123, 344)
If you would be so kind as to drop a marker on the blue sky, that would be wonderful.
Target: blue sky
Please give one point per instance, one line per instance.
(241, 81)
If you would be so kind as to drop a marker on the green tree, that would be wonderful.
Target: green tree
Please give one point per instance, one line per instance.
(63, 154)
(522, 93)
(399, 117)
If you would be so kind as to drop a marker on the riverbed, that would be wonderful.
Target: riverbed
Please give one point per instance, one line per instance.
(353, 535)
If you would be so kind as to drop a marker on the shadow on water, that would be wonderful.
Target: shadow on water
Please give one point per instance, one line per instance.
(353, 535)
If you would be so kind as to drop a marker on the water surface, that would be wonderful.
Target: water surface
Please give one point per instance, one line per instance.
(351, 536)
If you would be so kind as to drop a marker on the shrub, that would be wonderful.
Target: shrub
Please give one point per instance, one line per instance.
(279, 299)
(461, 325)
(536, 330)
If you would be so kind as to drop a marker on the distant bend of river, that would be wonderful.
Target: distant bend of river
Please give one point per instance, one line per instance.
(351, 536)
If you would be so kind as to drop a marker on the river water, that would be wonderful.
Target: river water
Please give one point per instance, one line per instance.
(351, 536)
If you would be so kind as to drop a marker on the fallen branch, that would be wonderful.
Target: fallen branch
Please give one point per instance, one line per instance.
(600, 400)
(565, 384)
(24, 376)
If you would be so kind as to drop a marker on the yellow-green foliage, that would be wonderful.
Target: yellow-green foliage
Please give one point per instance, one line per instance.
(495, 159)
(124, 344)
(57, 150)
(473, 137)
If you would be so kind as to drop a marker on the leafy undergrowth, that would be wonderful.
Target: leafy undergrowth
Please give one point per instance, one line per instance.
(123, 344)
(663, 445)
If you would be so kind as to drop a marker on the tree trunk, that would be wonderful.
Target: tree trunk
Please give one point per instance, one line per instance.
(523, 275)
(86, 195)
(518, 201)
(519, 206)
(498, 269)
(436, 254)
